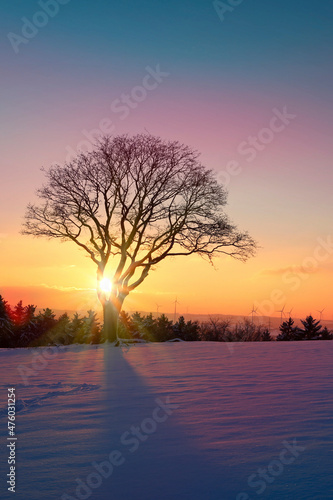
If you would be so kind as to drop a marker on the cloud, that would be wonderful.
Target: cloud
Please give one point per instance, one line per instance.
(67, 288)
(294, 269)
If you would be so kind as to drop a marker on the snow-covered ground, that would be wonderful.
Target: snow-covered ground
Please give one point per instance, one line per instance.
(196, 421)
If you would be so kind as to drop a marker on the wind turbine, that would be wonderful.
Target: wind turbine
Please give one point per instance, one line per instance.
(289, 312)
(321, 312)
(175, 313)
(157, 308)
(282, 311)
(254, 311)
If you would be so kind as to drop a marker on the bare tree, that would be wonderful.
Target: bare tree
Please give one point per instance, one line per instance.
(134, 201)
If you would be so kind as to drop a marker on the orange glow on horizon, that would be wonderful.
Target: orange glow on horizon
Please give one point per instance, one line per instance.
(60, 276)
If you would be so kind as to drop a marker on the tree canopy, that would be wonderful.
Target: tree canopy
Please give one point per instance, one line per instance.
(136, 200)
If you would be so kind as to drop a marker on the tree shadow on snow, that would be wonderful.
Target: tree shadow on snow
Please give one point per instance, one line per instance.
(157, 461)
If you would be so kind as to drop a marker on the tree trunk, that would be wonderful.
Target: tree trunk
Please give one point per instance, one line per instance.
(111, 318)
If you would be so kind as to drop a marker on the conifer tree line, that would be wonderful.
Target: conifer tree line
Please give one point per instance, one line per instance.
(22, 326)
(312, 330)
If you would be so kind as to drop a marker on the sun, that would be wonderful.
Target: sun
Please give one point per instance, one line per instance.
(105, 285)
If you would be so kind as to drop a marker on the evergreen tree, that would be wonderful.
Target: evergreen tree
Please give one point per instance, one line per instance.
(50, 330)
(288, 331)
(92, 328)
(148, 322)
(188, 331)
(266, 335)
(311, 330)
(143, 327)
(137, 325)
(77, 329)
(164, 330)
(6, 325)
(126, 328)
(28, 328)
(325, 334)
(61, 333)
(19, 314)
(45, 322)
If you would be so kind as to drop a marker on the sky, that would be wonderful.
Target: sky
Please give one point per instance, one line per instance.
(248, 86)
